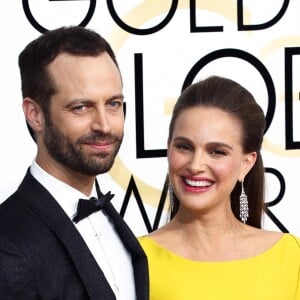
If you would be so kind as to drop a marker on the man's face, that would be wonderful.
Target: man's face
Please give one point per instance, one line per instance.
(84, 130)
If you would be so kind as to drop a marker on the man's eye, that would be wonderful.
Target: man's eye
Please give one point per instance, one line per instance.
(79, 108)
(115, 104)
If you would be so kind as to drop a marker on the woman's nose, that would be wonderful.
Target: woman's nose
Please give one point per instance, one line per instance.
(198, 162)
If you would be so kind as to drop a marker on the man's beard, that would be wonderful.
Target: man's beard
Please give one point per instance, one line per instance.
(71, 154)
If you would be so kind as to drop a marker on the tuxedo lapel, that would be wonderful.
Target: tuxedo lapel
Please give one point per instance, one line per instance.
(139, 260)
(48, 210)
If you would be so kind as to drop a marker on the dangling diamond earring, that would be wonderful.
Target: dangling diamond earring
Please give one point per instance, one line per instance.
(171, 193)
(244, 209)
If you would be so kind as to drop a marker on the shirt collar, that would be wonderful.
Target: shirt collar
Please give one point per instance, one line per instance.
(66, 196)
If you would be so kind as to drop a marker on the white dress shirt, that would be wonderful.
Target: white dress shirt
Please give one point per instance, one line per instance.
(98, 233)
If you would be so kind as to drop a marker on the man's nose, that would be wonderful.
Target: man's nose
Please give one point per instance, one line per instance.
(100, 121)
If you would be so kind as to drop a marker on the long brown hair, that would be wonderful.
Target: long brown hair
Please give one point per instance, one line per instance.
(231, 97)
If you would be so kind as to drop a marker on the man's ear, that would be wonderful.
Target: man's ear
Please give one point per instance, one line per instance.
(33, 114)
(248, 163)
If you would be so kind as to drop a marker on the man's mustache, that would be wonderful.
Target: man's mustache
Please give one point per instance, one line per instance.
(99, 136)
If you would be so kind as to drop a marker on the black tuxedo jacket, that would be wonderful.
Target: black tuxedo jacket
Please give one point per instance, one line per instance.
(43, 256)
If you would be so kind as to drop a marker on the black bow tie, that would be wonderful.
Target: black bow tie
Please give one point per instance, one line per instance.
(86, 207)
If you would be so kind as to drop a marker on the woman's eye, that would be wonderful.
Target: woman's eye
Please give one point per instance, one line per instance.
(183, 147)
(217, 151)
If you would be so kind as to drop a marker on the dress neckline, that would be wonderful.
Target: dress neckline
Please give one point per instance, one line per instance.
(276, 245)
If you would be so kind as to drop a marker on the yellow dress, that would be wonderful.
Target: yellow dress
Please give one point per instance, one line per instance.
(272, 275)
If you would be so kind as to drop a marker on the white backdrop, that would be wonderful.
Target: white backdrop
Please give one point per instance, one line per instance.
(157, 53)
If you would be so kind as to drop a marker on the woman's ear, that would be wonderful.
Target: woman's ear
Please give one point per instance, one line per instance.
(247, 165)
(168, 145)
(33, 114)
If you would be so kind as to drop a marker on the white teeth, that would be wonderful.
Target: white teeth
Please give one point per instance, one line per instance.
(197, 183)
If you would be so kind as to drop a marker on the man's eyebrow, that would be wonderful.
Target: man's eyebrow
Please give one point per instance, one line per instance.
(78, 101)
(82, 101)
(117, 96)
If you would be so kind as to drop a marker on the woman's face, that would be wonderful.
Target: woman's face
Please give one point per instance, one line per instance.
(206, 158)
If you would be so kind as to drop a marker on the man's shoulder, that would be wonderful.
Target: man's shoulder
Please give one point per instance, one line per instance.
(10, 207)
(13, 203)
(17, 220)
(17, 207)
